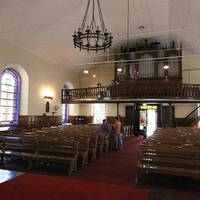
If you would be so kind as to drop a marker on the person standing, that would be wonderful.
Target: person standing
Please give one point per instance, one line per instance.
(118, 134)
(104, 127)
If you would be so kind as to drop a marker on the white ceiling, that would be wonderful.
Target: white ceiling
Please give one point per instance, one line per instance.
(45, 27)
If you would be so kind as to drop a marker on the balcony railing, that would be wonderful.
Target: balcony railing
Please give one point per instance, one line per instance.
(142, 91)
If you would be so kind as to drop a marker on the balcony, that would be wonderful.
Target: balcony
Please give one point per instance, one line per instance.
(133, 92)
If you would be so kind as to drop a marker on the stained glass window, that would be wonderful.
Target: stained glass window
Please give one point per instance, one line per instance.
(9, 100)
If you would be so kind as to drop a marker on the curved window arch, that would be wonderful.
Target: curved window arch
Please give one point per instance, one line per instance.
(10, 98)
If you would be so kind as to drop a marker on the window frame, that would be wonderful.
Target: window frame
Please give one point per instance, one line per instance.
(16, 97)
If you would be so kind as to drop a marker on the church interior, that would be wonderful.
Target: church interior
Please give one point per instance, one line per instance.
(100, 99)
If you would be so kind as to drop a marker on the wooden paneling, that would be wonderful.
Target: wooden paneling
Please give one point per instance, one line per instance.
(31, 121)
(87, 119)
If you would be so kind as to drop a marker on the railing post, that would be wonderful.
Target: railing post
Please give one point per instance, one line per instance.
(86, 93)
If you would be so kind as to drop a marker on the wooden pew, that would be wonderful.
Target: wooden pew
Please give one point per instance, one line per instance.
(106, 147)
(45, 145)
(100, 145)
(83, 148)
(172, 152)
(54, 151)
(20, 147)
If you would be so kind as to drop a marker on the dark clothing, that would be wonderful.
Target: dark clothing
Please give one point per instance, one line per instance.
(104, 128)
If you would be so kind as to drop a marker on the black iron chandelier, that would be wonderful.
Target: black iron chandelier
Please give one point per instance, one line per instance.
(93, 37)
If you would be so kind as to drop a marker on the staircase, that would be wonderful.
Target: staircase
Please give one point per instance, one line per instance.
(189, 120)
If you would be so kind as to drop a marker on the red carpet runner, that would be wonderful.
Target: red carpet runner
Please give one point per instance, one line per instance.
(42, 187)
(117, 167)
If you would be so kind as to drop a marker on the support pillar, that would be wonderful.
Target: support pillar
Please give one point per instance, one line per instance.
(170, 115)
(161, 115)
(117, 109)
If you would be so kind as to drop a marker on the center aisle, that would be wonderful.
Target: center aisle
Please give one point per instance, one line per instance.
(117, 167)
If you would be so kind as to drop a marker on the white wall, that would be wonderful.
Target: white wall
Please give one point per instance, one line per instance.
(42, 76)
(85, 110)
(191, 68)
(182, 110)
(104, 75)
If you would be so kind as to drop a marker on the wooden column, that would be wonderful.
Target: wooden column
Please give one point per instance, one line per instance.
(160, 115)
(137, 119)
(170, 115)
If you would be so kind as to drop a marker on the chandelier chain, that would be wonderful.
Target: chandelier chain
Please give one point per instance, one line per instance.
(92, 35)
(85, 16)
(101, 17)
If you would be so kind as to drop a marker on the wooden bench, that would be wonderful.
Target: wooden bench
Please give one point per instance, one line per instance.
(42, 150)
(93, 147)
(45, 145)
(170, 152)
(54, 151)
(18, 147)
(83, 148)
(100, 145)
(106, 147)
(143, 170)
(83, 151)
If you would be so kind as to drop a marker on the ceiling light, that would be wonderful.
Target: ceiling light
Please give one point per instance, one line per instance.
(94, 75)
(166, 67)
(85, 71)
(93, 35)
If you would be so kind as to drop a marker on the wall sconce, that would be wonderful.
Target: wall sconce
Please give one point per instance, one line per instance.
(48, 97)
(166, 67)
(47, 106)
(166, 70)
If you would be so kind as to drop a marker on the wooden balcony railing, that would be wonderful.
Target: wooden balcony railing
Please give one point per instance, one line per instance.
(141, 91)
(85, 93)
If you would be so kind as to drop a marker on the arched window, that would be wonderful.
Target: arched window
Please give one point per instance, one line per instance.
(65, 109)
(10, 98)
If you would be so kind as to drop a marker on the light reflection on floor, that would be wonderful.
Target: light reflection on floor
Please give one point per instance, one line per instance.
(7, 175)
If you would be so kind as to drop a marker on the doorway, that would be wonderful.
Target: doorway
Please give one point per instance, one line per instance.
(148, 119)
